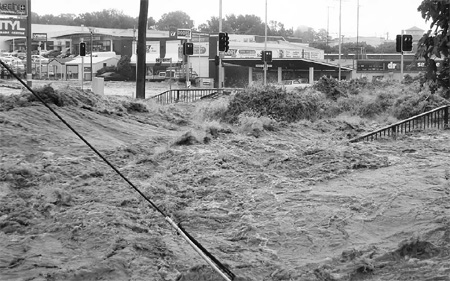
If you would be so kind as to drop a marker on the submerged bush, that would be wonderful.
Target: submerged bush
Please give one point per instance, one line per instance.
(412, 104)
(275, 103)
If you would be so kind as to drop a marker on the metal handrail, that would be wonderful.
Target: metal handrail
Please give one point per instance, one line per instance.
(437, 118)
(187, 95)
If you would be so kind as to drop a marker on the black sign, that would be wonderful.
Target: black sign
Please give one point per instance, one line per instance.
(13, 27)
(389, 66)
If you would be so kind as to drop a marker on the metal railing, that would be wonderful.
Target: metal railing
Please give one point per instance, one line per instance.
(436, 118)
(184, 95)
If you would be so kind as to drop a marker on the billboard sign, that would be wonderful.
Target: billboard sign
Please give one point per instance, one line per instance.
(13, 7)
(40, 37)
(184, 34)
(13, 27)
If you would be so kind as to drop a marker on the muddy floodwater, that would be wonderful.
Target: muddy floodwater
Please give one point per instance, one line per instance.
(296, 202)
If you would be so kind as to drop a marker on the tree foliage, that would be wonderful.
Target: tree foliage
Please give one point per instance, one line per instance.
(245, 24)
(110, 18)
(177, 19)
(434, 46)
(124, 67)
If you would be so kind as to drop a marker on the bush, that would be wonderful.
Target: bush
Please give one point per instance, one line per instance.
(413, 104)
(330, 87)
(275, 103)
(124, 67)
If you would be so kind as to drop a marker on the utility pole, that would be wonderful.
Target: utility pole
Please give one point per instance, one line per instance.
(29, 73)
(357, 30)
(265, 48)
(340, 40)
(141, 50)
(401, 61)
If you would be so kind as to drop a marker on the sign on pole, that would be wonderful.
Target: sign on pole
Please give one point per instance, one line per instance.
(13, 27)
(39, 37)
(13, 7)
(184, 34)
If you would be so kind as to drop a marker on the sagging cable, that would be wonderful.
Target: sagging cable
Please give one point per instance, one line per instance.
(222, 270)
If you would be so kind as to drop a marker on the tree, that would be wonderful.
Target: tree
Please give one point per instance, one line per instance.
(110, 18)
(276, 28)
(177, 19)
(434, 46)
(151, 23)
(307, 34)
(212, 26)
(124, 67)
(386, 48)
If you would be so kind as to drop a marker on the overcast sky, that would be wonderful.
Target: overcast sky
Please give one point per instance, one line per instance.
(376, 17)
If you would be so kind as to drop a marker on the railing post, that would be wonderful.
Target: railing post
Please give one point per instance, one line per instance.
(446, 118)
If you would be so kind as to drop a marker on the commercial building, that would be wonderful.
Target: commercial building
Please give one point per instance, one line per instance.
(290, 60)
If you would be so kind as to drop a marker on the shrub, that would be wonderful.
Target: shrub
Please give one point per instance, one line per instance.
(274, 103)
(413, 104)
(124, 67)
(330, 87)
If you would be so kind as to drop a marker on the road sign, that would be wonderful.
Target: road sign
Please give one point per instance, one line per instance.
(163, 59)
(262, 65)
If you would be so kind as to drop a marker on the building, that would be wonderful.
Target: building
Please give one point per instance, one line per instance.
(292, 60)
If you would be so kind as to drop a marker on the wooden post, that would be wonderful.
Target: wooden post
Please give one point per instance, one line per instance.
(141, 50)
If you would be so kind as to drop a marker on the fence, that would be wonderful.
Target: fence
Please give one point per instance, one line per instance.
(184, 95)
(436, 118)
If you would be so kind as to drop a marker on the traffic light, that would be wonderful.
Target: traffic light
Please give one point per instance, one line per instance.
(227, 42)
(268, 56)
(406, 40)
(407, 43)
(398, 43)
(82, 49)
(188, 49)
(224, 42)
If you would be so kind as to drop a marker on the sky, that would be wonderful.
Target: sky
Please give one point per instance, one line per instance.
(381, 18)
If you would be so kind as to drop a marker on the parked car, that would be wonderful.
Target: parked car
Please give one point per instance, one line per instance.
(112, 76)
(290, 85)
(39, 59)
(52, 54)
(14, 62)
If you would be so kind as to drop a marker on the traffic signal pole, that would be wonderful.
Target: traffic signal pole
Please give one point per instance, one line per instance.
(265, 47)
(220, 82)
(401, 58)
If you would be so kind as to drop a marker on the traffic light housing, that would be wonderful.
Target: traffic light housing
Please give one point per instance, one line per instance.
(227, 42)
(407, 43)
(82, 49)
(405, 40)
(188, 49)
(266, 56)
(224, 42)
